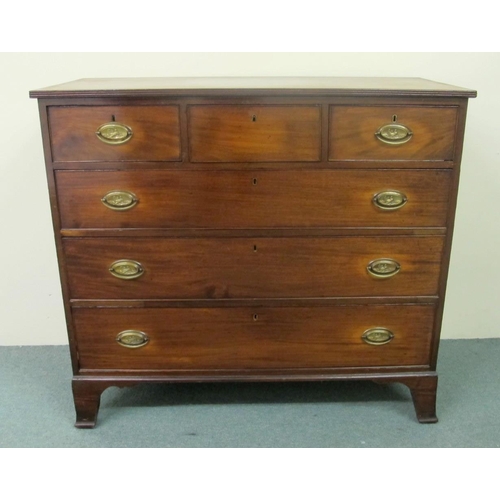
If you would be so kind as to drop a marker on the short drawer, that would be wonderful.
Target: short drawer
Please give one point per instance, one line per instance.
(253, 199)
(114, 133)
(392, 133)
(200, 268)
(253, 338)
(239, 133)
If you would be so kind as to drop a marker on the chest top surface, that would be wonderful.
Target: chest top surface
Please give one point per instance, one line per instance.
(381, 86)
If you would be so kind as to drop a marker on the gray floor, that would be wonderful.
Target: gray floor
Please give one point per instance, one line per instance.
(36, 408)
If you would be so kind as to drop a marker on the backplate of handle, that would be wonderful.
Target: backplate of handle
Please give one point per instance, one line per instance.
(132, 339)
(390, 200)
(114, 133)
(125, 269)
(119, 200)
(377, 336)
(383, 268)
(394, 134)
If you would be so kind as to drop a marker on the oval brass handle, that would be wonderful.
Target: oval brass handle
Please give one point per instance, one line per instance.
(119, 200)
(132, 339)
(126, 269)
(383, 268)
(390, 200)
(114, 133)
(377, 336)
(394, 133)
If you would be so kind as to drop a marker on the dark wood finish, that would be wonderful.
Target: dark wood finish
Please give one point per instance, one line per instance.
(186, 165)
(133, 232)
(352, 133)
(222, 133)
(423, 393)
(252, 86)
(56, 224)
(252, 268)
(247, 338)
(449, 235)
(87, 398)
(254, 302)
(156, 134)
(209, 202)
(95, 382)
(253, 198)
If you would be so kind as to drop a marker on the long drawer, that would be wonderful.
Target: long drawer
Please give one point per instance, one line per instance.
(253, 199)
(191, 268)
(246, 338)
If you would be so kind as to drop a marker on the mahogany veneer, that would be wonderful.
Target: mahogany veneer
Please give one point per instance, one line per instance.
(250, 198)
(254, 337)
(254, 133)
(351, 132)
(256, 229)
(200, 268)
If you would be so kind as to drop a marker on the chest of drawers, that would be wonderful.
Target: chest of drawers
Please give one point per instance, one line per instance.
(253, 229)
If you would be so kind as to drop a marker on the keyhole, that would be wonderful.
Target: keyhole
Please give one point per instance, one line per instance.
(254, 118)
(394, 118)
(254, 182)
(255, 248)
(255, 317)
(113, 118)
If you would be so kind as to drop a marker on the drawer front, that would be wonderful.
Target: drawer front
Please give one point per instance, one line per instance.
(430, 133)
(114, 133)
(247, 338)
(238, 133)
(251, 199)
(191, 268)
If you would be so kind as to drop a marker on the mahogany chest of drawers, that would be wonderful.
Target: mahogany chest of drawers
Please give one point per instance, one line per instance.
(253, 229)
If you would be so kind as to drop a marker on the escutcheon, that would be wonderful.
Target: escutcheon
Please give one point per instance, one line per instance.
(132, 339)
(377, 336)
(114, 133)
(126, 269)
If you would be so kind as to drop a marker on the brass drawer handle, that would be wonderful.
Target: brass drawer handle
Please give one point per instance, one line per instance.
(390, 200)
(114, 133)
(394, 134)
(126, 269)
(383, 268)
(132, 339)
(119, 200)
(377, 336)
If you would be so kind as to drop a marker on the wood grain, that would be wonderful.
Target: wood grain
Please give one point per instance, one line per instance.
(198, 268)
(254, 233)
(352, 132)
(253, 198)
(222, 133)
(244, 86)
(246, 338)
(156, 133)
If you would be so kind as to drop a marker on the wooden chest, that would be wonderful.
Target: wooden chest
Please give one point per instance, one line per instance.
(253, 229)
